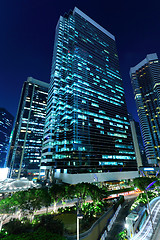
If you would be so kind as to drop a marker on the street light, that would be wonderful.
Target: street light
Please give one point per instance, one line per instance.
(150, 215)
(79, 216)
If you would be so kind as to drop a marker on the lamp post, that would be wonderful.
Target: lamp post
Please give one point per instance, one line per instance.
(149, 209)
(150, 215)
(79, 216)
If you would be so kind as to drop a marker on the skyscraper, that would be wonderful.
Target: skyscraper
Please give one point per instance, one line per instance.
(6, 124)
(138, 142)
(145, 78)
(87, 129)
(26, 144)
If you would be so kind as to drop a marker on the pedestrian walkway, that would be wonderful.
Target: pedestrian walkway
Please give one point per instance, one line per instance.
(147, 230)
(156, 235)
(118, 225)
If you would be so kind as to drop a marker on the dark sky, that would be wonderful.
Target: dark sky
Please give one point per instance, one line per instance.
(27, 30)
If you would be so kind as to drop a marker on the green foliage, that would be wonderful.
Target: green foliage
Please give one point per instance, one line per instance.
(31, 200)
(7, 206)
(43, 224)
(122, 235)
(87, 221)
(94, 209)
(41, 234)
(91, 211)
(50, 224)
(15, 226)
(57, 192)
(143, 182)
(141, 199)
(3, 233)
(67, 210)
(83, 190)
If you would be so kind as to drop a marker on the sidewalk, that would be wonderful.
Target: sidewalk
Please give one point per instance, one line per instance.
(118, 225)
(156, 235)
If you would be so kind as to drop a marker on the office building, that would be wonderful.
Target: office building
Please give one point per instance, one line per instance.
(87, 134)
(6, 124)
(138, 143)
(26, 144)
(145, 78)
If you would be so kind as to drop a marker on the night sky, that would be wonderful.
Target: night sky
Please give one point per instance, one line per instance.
(27, 35)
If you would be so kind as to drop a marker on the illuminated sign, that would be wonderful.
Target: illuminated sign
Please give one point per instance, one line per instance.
(148, 169)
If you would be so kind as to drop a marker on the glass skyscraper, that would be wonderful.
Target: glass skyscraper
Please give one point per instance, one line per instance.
(6, 124)
(145, 78)
(26, 144)
(87, 128)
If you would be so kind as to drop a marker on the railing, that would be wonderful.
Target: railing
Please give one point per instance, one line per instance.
(99, 226)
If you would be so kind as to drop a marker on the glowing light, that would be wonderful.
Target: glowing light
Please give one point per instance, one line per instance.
(148, 169)
(150, 184)
(3, 173)
(126, 225)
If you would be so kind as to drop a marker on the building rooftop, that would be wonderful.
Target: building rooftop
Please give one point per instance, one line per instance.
(38, 82)
(76, 10)
(148, 58)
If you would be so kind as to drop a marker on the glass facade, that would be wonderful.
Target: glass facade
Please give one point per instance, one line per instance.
(141, 145)
(26, 144)
(87, 128)
(145, 79)
(6, 124)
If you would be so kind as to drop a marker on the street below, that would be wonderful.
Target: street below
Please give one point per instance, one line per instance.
(119, 223)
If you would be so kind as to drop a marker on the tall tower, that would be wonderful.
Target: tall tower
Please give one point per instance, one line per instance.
(6, 124)
(26, 144)
(87, 129)
(145, 78)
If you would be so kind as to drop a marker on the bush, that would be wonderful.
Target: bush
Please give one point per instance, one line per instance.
(67, 210)
(50, 224)
(3, 233)
(122, 235)
(15, 226)
(41, 234)
(17, 229)
(142, 199)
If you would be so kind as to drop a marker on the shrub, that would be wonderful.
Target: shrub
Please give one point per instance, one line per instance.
(15, 226)
(41, 234)
(50, 224)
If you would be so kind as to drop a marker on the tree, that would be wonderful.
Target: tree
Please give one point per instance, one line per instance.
(96, 193)
(28, 201)
(19, 200)
(33, 201)
(44, 197)
(6, 208)
(56, 192)
(41, 234)
(143, 182)
(49, 224)
(15, 226)
(82, 191)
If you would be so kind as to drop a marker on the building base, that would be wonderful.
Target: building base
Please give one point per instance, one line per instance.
(94, 177)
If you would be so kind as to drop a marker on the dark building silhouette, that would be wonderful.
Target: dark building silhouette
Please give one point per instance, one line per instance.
(6, 124)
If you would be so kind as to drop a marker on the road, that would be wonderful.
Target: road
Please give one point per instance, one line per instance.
(118, 225)
(146, 232)
(69, 203)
